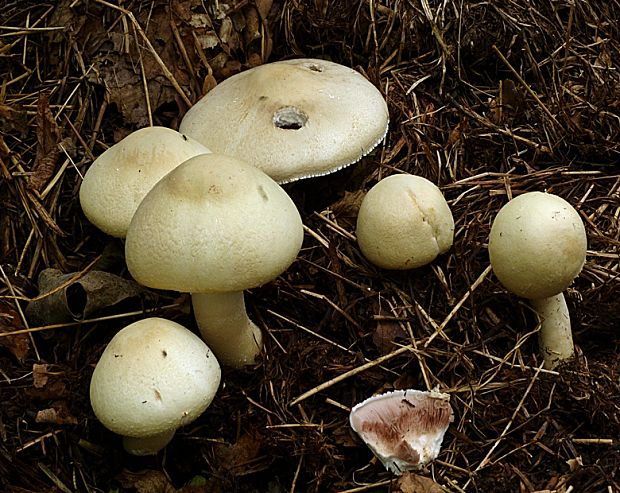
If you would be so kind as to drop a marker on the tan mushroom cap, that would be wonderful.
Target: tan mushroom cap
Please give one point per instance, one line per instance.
(214, 224)
(293, 119)
(404, 222)
(154, 376)
(118, 180)
(537, 245)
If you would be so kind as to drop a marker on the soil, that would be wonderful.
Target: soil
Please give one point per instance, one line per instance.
(487, 99)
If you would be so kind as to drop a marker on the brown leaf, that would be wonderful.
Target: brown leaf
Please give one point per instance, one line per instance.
(414, 483)
(58, 414)
(48, 138)
(39, 375)
(93, 291)
(237, 458)
(10, 321)
(148, 481)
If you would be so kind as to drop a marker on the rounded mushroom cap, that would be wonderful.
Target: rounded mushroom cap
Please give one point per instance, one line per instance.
(404, 222)
(293, 119)
(154, 375)
(118, 180)
(214, 224)
(537, 245)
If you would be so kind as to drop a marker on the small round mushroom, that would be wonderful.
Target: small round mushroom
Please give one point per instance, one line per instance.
(537, 246)
(404, 222)
(153, 377)
(293, 119)
(118, 179)
(214, 227)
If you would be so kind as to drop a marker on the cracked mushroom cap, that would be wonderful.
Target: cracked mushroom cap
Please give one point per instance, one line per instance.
(404, 222)
(154, 376)
(293, 119)
(537, 245)
(403, 428)
(118, 180)
(214, 224)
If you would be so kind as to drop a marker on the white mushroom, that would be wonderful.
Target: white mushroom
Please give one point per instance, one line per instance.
(153, 377)
(537, 246)
(118, 180)
(214, 227)
(293, 119)
(404, 222)
(403, 428)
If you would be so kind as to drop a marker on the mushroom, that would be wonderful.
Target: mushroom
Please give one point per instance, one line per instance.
(118, 179)
(404, 222)
(403, 428)
(153, 377)
(214, 227)
(537, 246)
(293, 119)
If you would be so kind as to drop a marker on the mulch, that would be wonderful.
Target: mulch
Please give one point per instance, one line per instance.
(487, 99)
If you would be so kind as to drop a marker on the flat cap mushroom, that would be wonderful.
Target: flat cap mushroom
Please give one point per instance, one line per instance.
(404, 222)
(118, 180)
(537, 246)
(293, 119)
(403, 428)
(153, 377)
(214, 227)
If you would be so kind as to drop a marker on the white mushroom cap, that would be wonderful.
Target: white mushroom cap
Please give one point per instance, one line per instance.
(537, 245)
(214, 224)
(403, 428)
(153, 377)
(118, 180)
(404, 222)
(293, 119)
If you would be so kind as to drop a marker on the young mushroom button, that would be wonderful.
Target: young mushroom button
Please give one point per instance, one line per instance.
(537, 246)
(153, 377)
(214, 227)
(404, 222)
(293, 119)
(118, 180)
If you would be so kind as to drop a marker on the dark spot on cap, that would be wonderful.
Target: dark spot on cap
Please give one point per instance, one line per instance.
(184, 137)
(164, 353)
(289, 118)
(262, 193)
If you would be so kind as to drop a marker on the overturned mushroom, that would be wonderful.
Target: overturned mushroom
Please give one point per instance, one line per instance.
(403, 428)
(292, 119)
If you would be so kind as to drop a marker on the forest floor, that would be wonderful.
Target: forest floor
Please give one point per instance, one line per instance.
(487, 99)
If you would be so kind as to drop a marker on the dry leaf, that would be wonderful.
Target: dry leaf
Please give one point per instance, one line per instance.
(146, 481)
(93, 291)
(238, 458)
(414, 483)
(48, 138)
(10, 321)
(39, 375)
(57, 414)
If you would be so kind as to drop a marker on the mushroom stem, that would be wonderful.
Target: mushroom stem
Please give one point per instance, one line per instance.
(224, 324)
(148, 445)
(555, 336)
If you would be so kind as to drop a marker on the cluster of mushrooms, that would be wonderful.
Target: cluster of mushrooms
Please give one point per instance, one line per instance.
(202, 211)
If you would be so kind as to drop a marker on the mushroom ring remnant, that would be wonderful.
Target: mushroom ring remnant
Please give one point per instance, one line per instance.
(403, 428)
(213, 227)
(118, 179)
(537, 246)
(404, 222)
(293, 119)
(153, 377)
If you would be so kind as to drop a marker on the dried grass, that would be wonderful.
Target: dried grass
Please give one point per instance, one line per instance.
(486, 99)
